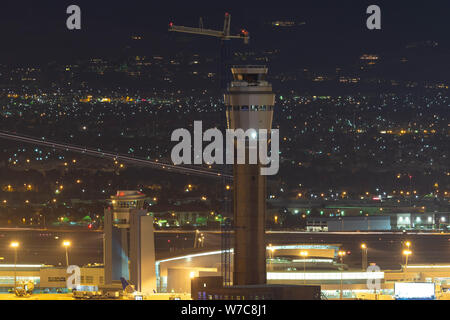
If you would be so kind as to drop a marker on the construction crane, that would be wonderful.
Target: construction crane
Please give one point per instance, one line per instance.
(223, 35)
(224, 78)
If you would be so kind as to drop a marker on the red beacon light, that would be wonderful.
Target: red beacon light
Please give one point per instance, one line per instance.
(244, 32)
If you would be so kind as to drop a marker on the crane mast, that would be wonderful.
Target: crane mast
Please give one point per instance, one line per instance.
(224, 36)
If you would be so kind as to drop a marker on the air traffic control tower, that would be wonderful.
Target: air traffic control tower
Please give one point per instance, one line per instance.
(250, 103)
(128, 244)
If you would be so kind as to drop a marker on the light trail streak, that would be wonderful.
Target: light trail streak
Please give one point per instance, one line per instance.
(114, 156)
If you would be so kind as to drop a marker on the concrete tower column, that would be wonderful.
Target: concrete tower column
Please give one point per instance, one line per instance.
(249, 220)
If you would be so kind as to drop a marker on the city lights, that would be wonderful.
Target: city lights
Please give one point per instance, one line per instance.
(208, 157)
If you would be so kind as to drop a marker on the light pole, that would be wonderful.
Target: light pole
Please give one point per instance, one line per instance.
(66, 245)
(364, 256)
(341, 255)
(304, 254)
(15, 245)
(196, 239)
(271, 251)
(406, 253)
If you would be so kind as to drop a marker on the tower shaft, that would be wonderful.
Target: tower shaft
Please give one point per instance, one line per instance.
(250, 102)
(249, 220)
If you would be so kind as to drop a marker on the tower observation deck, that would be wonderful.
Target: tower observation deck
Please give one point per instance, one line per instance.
(123, 202)
(249, 104)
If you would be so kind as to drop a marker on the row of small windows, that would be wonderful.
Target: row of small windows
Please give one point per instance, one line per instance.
(127, 204)
(249, 77)
(204, 296)
(83, 279)
(87, 279)
(251, 108)
(56, 279)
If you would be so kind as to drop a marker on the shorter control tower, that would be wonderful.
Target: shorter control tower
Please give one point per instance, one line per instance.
(129, 246)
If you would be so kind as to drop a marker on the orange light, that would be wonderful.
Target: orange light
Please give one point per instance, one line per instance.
(14, 244)
(407, 252)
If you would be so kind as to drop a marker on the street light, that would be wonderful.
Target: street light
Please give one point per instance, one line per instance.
(364, 256)
(66, 245)
(271, 251)
(304, 254)
(406, 253)
(341, 255)
(15, 245)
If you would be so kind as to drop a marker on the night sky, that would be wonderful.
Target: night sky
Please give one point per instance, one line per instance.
(35, 31)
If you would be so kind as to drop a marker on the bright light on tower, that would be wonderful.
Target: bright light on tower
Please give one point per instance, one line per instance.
(14, 244)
